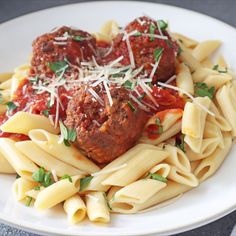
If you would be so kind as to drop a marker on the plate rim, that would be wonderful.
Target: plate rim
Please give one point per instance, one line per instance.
(53, 231)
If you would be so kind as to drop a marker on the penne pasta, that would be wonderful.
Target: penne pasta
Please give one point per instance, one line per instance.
(184, 79)
(136, 167)
(5, 166)
(95, 183)
(21, 164)
(23, 122)
(5, 76)
(110, 29)
(51, 144)
(182, 177)
(205, 49)
(42, 158)
(57, 193)
(211, 164)
(162, 169)
(21, 186)
(75, 209)
(97, 208)
(186, 41)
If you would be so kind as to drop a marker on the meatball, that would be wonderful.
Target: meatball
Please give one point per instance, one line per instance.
(105, 132)
(143, 48)
(64, 43)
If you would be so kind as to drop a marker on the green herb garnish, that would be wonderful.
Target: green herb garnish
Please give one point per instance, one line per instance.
(156, 177)
(29, 201)
(67, 177)
(157, 121)
(43, 177)
(11, 106)
(137, 34)
(45, 112)
(69, 135)
(132, 107)
(180, 143)
(17, 176)
(180, 50)
(157, 53)
(152, 31)
(202, 90)
(58, 66)
(216, 67)
(162, 24)
(34, 79)
(78, 38)
(37, 188)
(84, 182)
(127, 84)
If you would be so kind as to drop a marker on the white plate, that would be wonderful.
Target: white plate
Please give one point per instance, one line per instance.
(213, 199)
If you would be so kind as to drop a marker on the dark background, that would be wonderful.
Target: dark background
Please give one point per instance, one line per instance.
(224, 10)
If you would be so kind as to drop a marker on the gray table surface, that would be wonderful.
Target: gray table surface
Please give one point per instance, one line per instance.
(224, 10)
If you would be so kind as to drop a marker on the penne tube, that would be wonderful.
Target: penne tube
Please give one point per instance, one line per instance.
(23, 122)
(57, 192)
(95, 184)
(5, 95)
(205, 49)
(182, 177)
(217, 81)
(189, 60)
(211, 164)
(170, 191)
(136, 167)
(191, 121)
(227, 105)
(207, 63)
(5, 76)
(162, 169)
(208, 147)
(42, 158)
(188, 42)
(6, 84)
(22, 165)
(3, 109)
(21, 186)
(51, 144)
(194, 165)
(196, 143)
(75, 209)
(97, 207)
(5, 166)
(201, 73)
(139, 191)
(102, 37)
(110, 29)
(221, 61)
(184, 79)
(177, 158)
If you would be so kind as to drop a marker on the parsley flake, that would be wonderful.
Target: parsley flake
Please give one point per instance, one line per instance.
(156, 177)
(78, 38)
(180, 143)
(11, 106)
(45, 112)
(216, 67)
(202, 90)
(157, 53)
(162, 24)
(84, 182)
(43, 177)
(29, 201)
(132, 107)
(137, 34)
(152, 31)
(67, 177)
(68, 134)
(58, 66)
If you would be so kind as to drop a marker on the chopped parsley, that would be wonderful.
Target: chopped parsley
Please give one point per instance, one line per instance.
(157, 121)
(180, 50)
(43, 177)
(78, 38)
(140, 98)
(162, 24)
(138, 34)
(157, 53)
(152, 31)
(84, 182)
(45, 112)
(37, 188)
(160, 127)
(202, 90)
(216, 67)
(180, 142)
(127, 84)
(58, 66)
(132, 107)
(17, 176)
(69, 135)
(156, 177)
(29, 201)
(67, 177)
(11, 106)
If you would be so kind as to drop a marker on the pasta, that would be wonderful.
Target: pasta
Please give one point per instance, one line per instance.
(100, 128)
(75, 209)
(97, 208)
